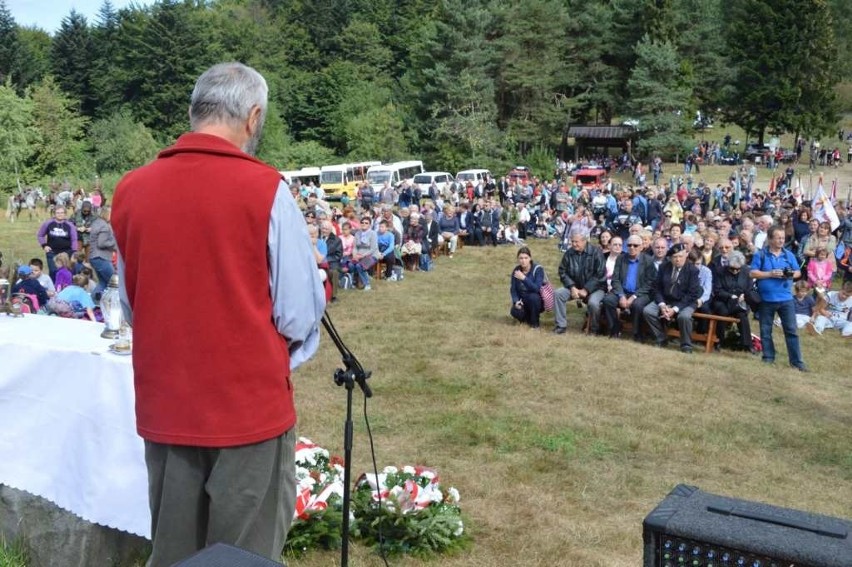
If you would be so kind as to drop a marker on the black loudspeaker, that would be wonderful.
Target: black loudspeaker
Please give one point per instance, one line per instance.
(223, 555)
(691, 528)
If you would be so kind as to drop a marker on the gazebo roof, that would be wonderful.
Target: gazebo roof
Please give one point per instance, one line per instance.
(601, 132)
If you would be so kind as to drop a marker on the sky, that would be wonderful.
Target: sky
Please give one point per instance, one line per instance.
(48, 14)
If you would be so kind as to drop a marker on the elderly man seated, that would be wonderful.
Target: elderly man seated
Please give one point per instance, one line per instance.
(676, 293)
(583, 276)
(632, 282)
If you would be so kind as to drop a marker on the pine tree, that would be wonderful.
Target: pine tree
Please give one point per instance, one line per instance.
(9, 44)
(533, 78)
(104, 40)
(451, 86)
(659, 99)
(783, 80)
(71, 56)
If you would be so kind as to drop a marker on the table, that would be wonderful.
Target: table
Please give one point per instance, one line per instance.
(67, 421)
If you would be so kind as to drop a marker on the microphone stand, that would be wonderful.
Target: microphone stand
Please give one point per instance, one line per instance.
(352, 373)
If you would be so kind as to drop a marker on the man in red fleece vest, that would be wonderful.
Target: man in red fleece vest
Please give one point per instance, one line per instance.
(213, 350)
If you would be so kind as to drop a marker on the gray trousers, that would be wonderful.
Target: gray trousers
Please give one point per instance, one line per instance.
(562, 296)
(244, 496)
(658, 327)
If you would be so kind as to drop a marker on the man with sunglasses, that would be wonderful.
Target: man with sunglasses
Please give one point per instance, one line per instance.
(632, 280)
(676, 293)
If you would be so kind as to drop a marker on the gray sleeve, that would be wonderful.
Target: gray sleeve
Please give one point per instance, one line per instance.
(122, 293)
(298, 298)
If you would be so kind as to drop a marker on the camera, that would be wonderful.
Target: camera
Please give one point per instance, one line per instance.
(788, 273)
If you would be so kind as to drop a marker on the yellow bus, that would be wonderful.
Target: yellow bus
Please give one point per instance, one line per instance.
(343, 178)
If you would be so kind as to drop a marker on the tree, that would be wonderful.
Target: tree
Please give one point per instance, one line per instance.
(72, 59)
(450, 85)
(159, 55)
(60, 150)
(533, 79)
(699, 27)
(783, 80)
(659, 99)
(34, 62)
(102, 67)
(17, 135)
(120, 144)
(9, 44)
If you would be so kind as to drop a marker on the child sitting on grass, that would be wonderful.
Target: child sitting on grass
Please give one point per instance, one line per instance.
(74, 301)
(804, 302)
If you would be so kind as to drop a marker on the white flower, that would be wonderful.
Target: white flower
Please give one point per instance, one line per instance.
(390, 470)
(427, 475)
(453, 495)
(408, 469)
(435, 495)
(459, 529)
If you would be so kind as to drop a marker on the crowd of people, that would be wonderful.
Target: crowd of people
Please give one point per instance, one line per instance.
(644, 258)
(79, 259)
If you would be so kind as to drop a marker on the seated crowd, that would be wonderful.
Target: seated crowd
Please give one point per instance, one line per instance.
(628, 273)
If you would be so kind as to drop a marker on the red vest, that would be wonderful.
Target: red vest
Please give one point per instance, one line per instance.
(210, 368)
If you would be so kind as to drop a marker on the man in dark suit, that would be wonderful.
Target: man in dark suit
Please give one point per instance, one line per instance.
(632, 281)
(676, 292)
(430, 232)
(490, 222)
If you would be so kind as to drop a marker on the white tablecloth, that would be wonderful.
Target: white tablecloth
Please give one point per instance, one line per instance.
(67, 422)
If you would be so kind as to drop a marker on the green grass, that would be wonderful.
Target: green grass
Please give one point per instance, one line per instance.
(13, 554)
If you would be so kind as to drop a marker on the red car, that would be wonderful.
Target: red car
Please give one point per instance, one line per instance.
(520, 174)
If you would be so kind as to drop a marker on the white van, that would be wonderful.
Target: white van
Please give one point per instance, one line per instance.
(442, 179)
(393, 173)
(475, 176)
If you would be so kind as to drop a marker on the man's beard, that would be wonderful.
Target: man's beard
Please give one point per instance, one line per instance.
(251, 144)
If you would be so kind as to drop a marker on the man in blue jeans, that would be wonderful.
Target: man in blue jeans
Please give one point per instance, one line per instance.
(774, 269)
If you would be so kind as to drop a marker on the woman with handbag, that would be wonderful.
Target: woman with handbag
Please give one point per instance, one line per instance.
(525, 288)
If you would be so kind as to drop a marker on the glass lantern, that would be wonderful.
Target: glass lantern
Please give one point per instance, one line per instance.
(5, 295)
(111, 309)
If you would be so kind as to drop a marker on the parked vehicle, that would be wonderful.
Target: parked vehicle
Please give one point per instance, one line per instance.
(393, 173)
(474, 176)
(304, 175)
(590, 178)
(424, 180)
(520, 174)
(343, 178)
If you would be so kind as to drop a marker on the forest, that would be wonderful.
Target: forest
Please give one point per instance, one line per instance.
(453, 82)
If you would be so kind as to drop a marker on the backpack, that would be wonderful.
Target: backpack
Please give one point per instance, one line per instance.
(346, 281)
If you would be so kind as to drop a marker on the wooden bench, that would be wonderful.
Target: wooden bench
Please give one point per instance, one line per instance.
(379, 270)
(709, 338)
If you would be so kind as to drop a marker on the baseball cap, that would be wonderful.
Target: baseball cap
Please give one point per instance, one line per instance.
(25, 270)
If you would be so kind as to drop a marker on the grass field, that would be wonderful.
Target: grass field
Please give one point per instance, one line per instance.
(560, 445)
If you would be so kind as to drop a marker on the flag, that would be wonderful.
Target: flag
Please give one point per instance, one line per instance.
(822, 208)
